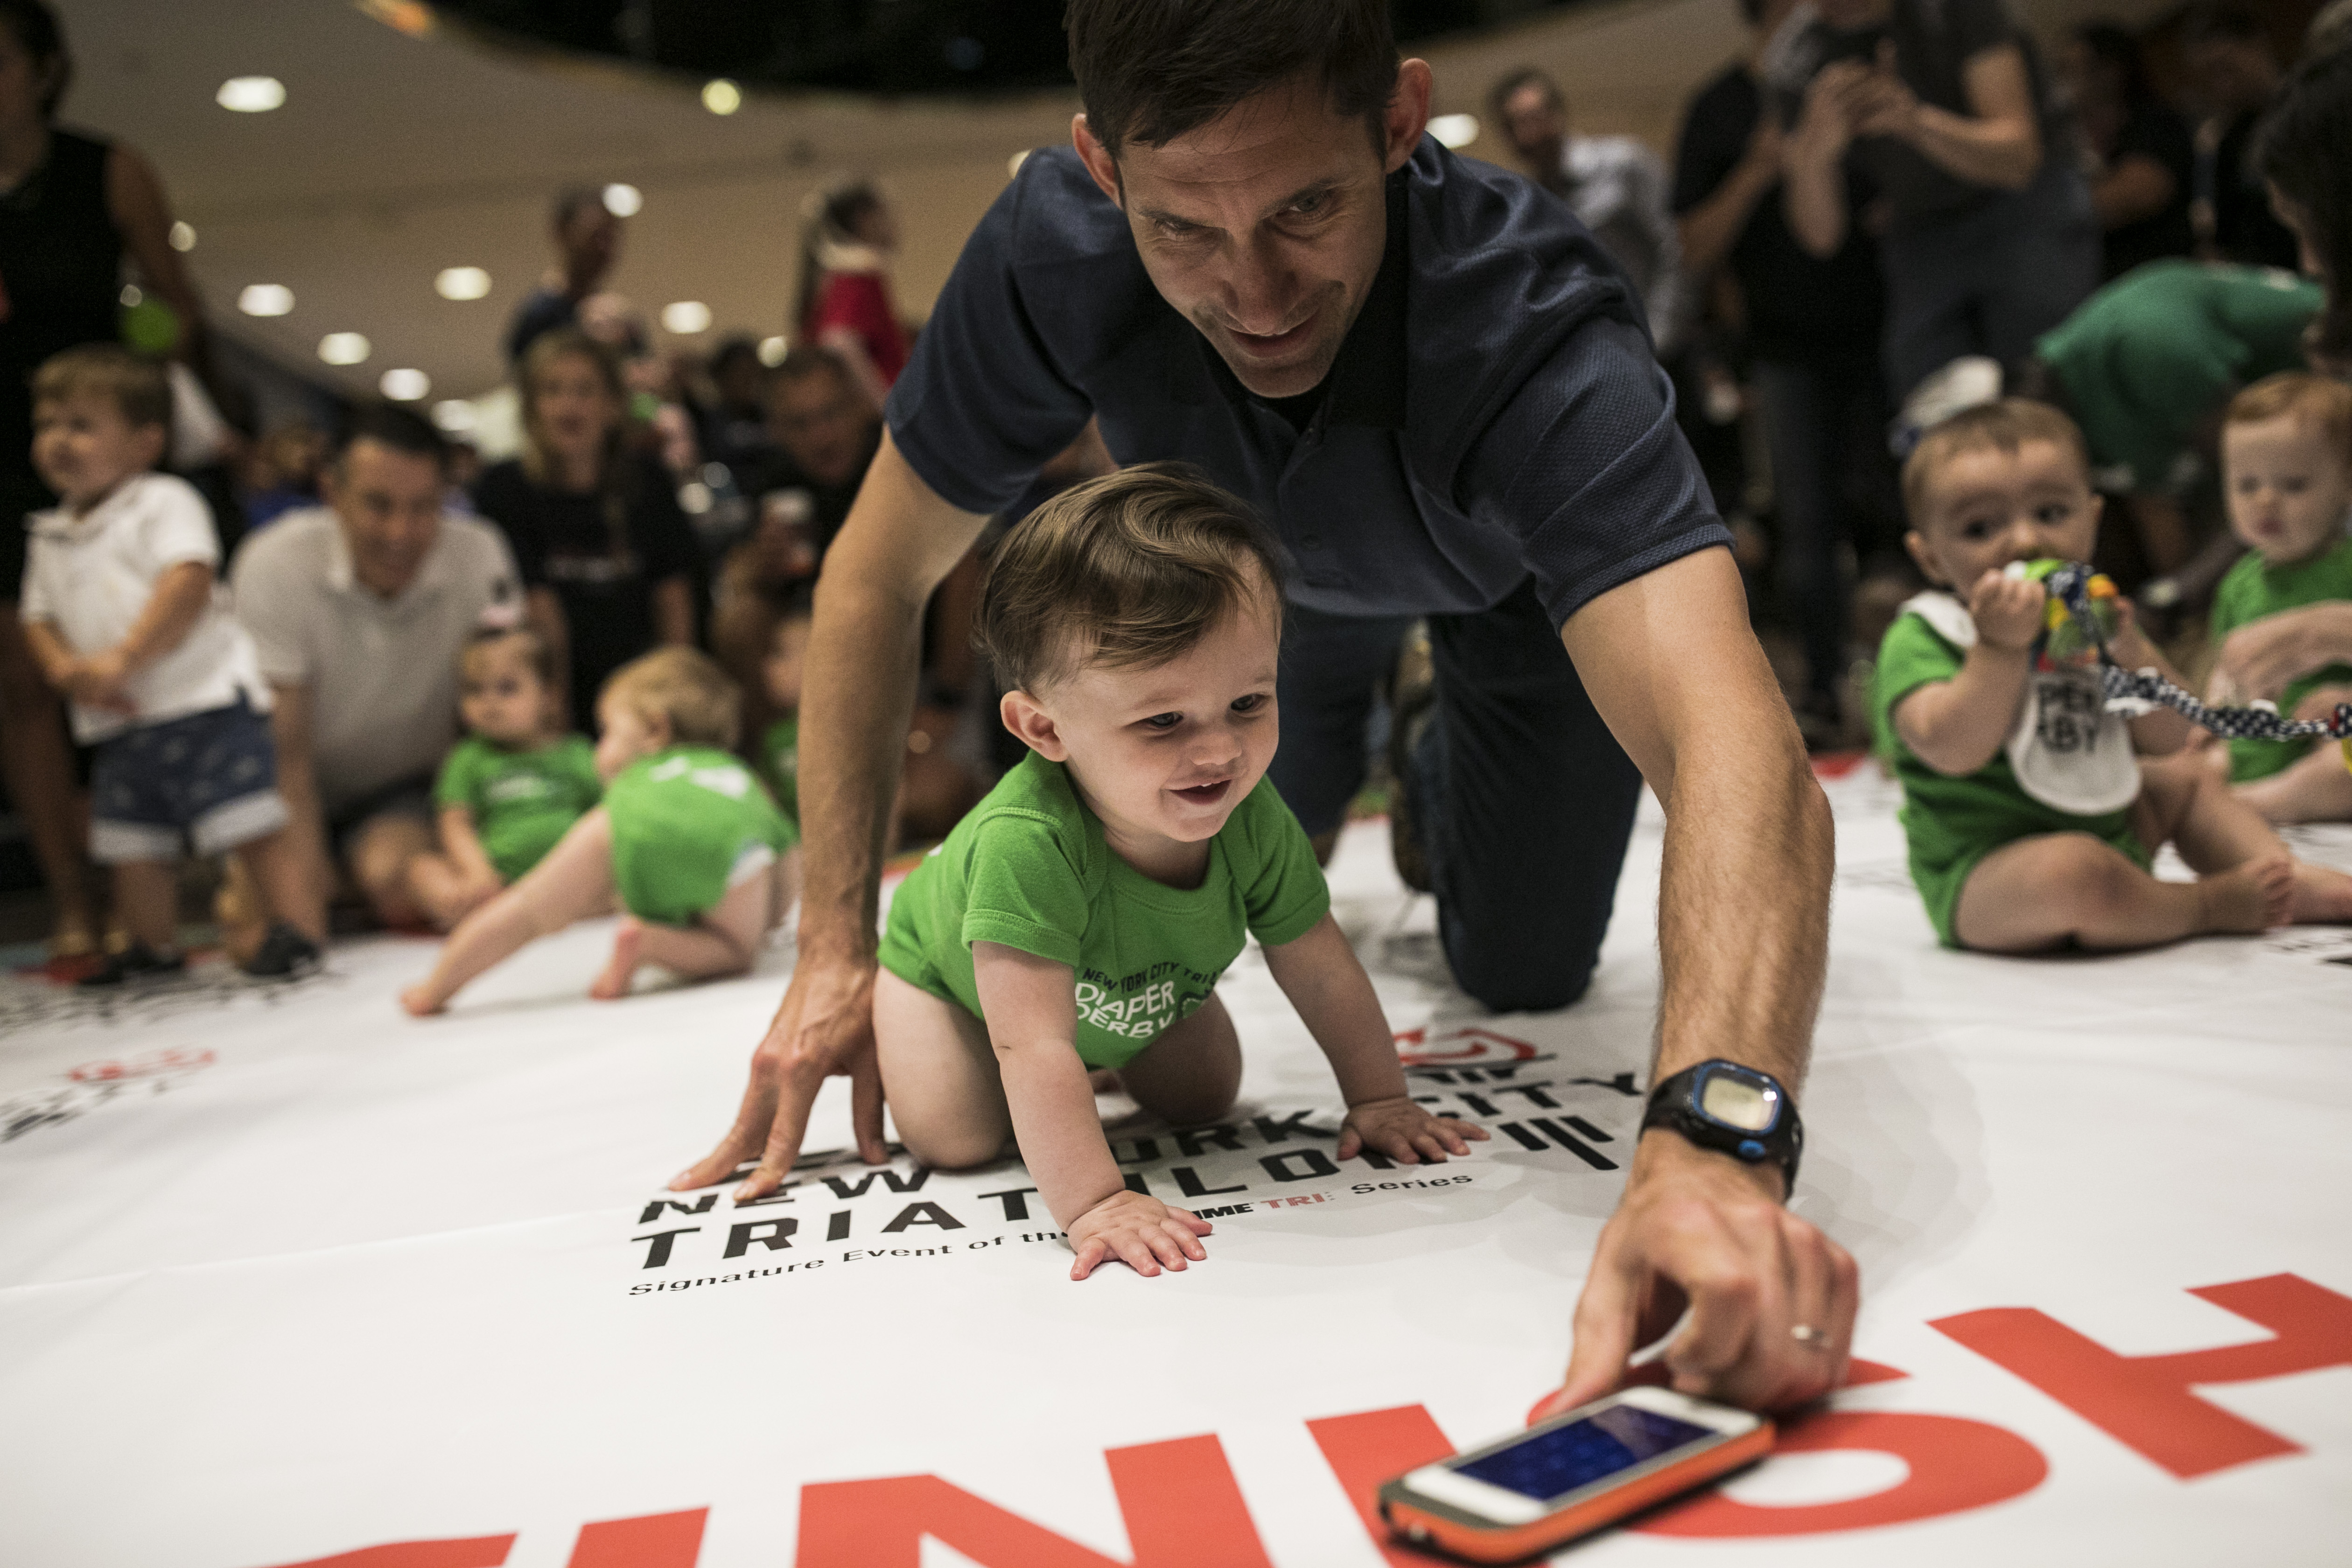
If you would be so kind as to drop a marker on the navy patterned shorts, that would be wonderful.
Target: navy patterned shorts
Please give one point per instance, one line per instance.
(209, 781)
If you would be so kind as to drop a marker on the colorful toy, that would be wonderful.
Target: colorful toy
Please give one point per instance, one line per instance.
(2063, 642)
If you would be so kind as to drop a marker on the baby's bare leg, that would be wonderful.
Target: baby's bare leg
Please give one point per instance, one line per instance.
(2316, 788)
(723, 941)
(147, 902)
(435, 883)
(2043, 892)
(1193, 1071)
(2218, 829)
(573, 882)
(940, 1077)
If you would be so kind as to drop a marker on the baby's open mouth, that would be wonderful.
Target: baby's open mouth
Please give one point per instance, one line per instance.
(1206, 794)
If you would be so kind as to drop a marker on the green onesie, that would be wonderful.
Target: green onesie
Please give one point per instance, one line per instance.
(684, 822)
(1028, 868)
(2061, 736)
(780, 764)
(2254, 589)
(521, 802)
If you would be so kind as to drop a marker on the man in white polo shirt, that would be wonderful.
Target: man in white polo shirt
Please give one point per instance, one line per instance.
(358, 611)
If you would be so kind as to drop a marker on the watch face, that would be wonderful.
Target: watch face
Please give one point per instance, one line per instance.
(1742, 1101)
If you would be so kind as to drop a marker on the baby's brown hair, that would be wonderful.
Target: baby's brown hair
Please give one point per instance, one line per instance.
(685, 687)
(2321, 399)
(139, 388)
(2003, 425)
(1133, 568)
(536, 653)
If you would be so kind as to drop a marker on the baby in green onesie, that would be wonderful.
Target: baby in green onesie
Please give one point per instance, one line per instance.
(513, 787)
(1080, 916)
(687, 839)
(2286, 473)
(2033, 823)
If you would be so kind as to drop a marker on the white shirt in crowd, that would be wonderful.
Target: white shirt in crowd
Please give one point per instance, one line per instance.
(382, 672)
(1618, 188)
(92, 578)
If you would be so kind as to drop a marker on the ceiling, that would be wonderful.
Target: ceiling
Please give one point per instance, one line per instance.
(395, 156)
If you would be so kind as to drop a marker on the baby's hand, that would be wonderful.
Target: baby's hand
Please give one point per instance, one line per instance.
(1404, 1132)
(421, 1000)
(1139, 1231)
(2007, 610)
(97, 682)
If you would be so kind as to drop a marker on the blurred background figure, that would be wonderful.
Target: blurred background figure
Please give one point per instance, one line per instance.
(2233, 74)
(1614, 184)
(73, 208)
(281, 472)
(844, 303)
(607, 559)
(2137, 152)
(587, 245)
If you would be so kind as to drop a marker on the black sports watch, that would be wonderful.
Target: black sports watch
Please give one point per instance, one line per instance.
(1738, 1111)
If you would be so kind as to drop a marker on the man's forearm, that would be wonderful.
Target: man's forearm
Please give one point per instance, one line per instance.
(1996, 153)
(1708, 230)
(1813, 198)
(860, 698)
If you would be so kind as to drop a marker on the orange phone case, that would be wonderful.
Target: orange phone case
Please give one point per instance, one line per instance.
(1425, 1522)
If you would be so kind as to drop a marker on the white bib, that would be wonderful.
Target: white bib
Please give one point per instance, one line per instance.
(2068, 751)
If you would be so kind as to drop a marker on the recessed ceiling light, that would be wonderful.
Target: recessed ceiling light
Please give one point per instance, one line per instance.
(721, 96)
(345, 348)
(405, 385)
(251, 94)
(266, 299)
(1455, 130)
(461, 283)
(183, 236)
(1012, 165)
(773, 351)
(623, 201)
(454, 416)
(130, 296)
(685, 316)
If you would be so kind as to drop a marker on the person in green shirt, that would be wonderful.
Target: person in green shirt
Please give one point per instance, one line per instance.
(513, 787)
(687, 839)
(1080, 916)
(2286, 457)
(2033, 826)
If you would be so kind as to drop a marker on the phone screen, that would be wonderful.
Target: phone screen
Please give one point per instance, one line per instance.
(1567, 1457)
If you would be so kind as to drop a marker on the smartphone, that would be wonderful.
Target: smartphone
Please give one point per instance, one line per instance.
(1574, 1474)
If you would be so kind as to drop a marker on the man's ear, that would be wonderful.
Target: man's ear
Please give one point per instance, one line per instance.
(1033, 726)
(1097, 158)
(1924, 556)
(1407, 115)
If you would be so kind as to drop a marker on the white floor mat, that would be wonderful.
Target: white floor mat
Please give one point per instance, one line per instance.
(285, 1276)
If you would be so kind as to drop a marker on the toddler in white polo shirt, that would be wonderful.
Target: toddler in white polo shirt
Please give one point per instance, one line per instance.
(119, 607)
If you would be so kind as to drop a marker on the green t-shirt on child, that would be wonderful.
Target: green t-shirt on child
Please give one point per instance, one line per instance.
(1028, 867)
(780, 764)
(689, 824)
(1951, 824)
(521, 802)
(2254, 589)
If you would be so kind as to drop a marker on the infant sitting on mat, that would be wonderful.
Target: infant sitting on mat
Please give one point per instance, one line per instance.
(686, 837)
(2032, 824)
(1080, 916)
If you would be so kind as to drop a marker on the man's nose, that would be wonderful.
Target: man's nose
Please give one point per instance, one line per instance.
(1261, 288)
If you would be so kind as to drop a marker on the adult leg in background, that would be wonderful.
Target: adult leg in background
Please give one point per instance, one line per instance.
(1805, 434)
(1527, 801)
(37, 764)
(1332, 665)
(1931, 320)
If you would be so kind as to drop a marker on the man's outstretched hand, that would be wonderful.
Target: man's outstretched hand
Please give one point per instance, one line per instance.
(824, 1027)
(1698, 1230)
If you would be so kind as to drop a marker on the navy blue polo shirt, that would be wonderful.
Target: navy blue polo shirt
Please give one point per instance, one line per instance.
(1494, 413)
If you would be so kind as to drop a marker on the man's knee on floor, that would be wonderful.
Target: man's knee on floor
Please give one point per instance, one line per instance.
(1515, 984)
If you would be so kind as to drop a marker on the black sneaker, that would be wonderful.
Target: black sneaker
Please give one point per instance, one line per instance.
(285, 955)
(136, 961)
(1413, 706)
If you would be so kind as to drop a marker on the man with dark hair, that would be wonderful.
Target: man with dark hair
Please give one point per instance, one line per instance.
(587, 243)
(2234, 74)
(359, 609)
(1223, 270)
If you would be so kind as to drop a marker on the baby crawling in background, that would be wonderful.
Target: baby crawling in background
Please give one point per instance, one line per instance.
(702, 862)
(2033, 823)
(1080, 916)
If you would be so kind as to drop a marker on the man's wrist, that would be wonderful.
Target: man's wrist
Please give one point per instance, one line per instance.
(1665, 1155)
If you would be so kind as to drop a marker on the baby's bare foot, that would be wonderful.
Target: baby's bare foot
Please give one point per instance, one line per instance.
(2322, 896)
(622, 967)
(2248, 898)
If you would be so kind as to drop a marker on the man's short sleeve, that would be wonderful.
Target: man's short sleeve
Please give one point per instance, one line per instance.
(272, 605)
(982, 405)
(1283, 890)
(1587, 466)
(177, 527)
(1024, 891)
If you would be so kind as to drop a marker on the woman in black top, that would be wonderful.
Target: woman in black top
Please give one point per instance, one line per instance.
(70, 206)
(607, 555)
(2141, 156)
